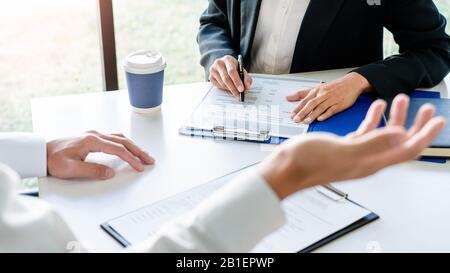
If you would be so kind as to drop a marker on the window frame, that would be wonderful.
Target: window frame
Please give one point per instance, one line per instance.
(108, 45)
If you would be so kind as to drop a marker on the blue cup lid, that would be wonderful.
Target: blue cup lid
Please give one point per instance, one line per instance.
(144, 62)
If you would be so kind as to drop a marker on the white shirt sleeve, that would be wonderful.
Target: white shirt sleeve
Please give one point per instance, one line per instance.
(27, 224)
(234, 219)
(25, 153)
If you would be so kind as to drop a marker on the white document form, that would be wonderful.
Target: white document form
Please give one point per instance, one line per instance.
(311, 216)
(265, 107)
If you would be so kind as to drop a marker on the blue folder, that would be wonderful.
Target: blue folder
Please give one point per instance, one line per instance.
(345, 122)
(340, 124)
(418, 94)
(349, 120)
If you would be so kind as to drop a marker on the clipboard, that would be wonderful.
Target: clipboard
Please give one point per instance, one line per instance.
(328, 192)
(261, 135)
(340, 124)
(369, 218)
(356, 225)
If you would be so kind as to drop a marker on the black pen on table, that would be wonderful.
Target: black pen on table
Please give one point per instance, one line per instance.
(241, 75)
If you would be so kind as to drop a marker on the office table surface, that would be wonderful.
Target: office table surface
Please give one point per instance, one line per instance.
(412, 199)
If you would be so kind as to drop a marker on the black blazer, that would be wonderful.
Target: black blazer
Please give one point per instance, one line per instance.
(343, 33)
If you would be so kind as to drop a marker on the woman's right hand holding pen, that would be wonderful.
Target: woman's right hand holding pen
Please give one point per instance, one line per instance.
(224, 74)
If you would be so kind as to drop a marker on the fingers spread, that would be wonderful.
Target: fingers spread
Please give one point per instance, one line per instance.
(373, 118)
(399, 110)
(425, 114)
(411, 149)
(378, 141)
(425, 136)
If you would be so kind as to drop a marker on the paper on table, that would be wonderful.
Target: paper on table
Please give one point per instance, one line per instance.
(311, 217)
(265, 107)
(143, 223)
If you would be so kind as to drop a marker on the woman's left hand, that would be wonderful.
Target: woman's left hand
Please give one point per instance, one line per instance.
(328, 99)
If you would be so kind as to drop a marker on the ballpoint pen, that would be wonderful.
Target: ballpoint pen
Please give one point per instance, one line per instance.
(242, 76)
(336, 194)
(32, 193)
(336, 191)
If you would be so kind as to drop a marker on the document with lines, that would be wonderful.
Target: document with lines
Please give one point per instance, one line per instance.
(314, 217)
(265, 107)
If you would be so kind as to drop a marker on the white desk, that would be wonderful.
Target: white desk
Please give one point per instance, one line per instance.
(413, 199)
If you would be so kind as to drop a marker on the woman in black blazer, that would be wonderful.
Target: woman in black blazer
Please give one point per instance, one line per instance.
(334, 34)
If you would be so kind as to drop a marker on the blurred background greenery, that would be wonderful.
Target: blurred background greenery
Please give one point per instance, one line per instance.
(51, 47)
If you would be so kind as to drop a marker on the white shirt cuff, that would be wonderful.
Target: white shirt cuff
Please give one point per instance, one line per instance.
(241, 214)
(25, 153)
(234, 219)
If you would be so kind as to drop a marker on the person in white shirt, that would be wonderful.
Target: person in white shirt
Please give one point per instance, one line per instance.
(30, 156)
(235, 218)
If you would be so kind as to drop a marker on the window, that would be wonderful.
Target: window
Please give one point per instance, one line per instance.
(51, 47)
(167, 26)
(47, 47)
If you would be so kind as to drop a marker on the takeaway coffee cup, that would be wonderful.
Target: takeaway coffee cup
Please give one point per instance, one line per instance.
(144, 72)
